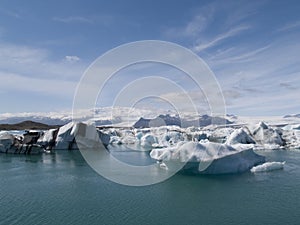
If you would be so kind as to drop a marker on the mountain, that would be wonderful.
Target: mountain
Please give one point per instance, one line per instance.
(292, 115)
(27, 125)
(37, 119)
(168, 120)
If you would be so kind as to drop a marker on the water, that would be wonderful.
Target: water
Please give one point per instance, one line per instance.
(62, 189)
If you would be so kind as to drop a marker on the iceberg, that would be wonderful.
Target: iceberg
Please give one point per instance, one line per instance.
(11, 144)
(240, 136)
(86, 133)
(208, 157)
(66, 137)
(148, 140)
(267, 137)
(268, 166)
(47, 140)
(6, 141)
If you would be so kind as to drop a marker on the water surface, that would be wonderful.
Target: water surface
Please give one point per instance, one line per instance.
(62, 189)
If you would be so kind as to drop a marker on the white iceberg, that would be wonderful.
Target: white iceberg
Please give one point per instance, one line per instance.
(240, 136)
(268, 166)
(65, 139)
(208, 157)
(47, 140)
(267, 137)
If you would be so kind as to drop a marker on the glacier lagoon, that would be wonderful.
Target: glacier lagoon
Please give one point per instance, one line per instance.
(61, 188)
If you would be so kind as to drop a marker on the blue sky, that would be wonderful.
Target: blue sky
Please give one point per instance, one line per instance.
(252, 47)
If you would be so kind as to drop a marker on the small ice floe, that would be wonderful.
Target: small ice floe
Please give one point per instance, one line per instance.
(268, 166)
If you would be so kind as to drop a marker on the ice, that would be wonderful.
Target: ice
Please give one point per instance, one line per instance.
(268, 166)
(209, 158)
(241, 136)
(148, 140)
(47, 140)
(6, 141)
(292, 127)
(266, 136)
(65, 137)
(262, 132)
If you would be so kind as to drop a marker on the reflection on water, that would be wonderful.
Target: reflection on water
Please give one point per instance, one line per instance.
(131, 155)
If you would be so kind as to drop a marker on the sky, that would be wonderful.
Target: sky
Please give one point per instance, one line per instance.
(252, 47)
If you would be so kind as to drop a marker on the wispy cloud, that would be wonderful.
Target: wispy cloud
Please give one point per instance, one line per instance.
(288, 86)
(257, 75)
(31, 80)
(32, 71)
(199, 28)
(73, 19)
(290, 26)
(36, 62)
(101, 19)
(54, 87)
(195, 26)
(221, 37)
(72, 58)
(234, 55)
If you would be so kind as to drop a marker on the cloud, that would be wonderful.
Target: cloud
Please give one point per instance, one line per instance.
(72, 58)
(37, 62)
(288, 86)
(290, 26)
(221, 37)
(73, 19)
(13, 83)
(232, 94)
(234, 55)
(266, 104)
(30, 79)
(196, 25)
(105, 20)
(198, 100)
(259, 71)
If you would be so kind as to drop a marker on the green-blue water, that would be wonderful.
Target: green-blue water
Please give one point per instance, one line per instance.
(62, 189)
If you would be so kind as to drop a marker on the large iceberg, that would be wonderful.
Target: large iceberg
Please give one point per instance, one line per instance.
(9, 143)
(208, 157)
(89, 135)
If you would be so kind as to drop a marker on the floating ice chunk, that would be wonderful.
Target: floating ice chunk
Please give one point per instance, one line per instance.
(268, 166)
(148, 140)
